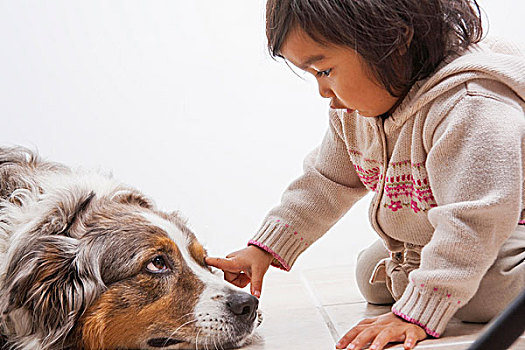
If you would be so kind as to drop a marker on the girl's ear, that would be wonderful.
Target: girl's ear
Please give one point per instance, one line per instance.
(407, 41)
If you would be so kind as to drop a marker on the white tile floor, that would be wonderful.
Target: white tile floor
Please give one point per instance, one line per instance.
(313, 308)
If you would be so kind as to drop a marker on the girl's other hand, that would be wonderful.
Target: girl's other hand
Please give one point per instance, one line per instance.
(381, 330)
(244, 266)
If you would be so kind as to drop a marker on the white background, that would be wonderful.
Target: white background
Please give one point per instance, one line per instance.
(179, 99)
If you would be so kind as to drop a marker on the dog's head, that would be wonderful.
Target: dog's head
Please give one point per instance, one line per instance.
(110, 271)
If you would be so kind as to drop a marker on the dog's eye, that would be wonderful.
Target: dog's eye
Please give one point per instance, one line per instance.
(157, 265)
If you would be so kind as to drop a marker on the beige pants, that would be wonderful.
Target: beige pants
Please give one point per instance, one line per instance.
(503, 282)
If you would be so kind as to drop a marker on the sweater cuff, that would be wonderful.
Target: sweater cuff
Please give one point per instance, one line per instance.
(428, 309)
(282, 241)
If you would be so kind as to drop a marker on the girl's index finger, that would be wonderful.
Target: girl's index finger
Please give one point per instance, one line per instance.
(215, 262)
(225, 264)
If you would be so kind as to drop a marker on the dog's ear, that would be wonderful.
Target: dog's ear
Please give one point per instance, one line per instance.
(48, 285)
(64, 213)
(130, 196)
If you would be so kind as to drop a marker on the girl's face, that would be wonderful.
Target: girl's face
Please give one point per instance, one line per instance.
(341, 73)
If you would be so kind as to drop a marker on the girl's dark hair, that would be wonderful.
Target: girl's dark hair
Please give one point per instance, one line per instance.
(402, 41)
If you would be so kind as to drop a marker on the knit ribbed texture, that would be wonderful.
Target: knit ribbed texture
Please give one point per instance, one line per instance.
(288, 244)
(448, 172)
(427, 308)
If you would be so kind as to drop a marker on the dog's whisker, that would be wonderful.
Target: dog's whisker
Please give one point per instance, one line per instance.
(197, 340)
(215, 343)
(182, 325)
(181, 317)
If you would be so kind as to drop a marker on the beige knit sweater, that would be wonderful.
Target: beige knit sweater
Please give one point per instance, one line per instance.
(447, 168)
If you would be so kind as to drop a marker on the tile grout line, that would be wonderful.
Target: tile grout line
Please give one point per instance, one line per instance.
(317, 303)
(436, 345)
(440, 345)
(348, 303)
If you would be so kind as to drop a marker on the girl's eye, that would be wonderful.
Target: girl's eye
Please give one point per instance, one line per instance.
(157, 265)
(324, 73)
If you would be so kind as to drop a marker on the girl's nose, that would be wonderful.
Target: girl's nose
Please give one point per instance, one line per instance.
(325, 91)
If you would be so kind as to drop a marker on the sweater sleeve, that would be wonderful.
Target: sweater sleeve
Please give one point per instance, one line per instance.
(312, 203)
(475, 168)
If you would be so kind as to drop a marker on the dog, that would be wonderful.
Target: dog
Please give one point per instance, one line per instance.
(89, 263)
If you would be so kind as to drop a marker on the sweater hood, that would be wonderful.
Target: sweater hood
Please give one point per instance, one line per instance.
(492, 59)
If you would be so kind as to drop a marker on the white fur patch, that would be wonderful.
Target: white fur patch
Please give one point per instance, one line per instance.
(182, 241)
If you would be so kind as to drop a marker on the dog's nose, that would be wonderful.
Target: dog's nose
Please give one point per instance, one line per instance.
(243, 304)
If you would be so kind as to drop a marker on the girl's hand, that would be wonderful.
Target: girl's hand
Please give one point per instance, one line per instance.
(381, 330)
(244, 266)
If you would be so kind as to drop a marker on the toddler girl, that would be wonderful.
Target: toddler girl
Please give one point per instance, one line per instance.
(429, 117)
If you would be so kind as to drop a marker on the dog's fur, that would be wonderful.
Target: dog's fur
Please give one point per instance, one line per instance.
(88, 263)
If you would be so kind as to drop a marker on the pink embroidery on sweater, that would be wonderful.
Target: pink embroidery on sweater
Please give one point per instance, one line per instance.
(295, 232)
(284, 266)
(422, 285)
(414, 206)
(369, 177)
(395, 206)
(368, 170)
(404, 162)
(414, 321)
(407, 183)
(354, 153)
